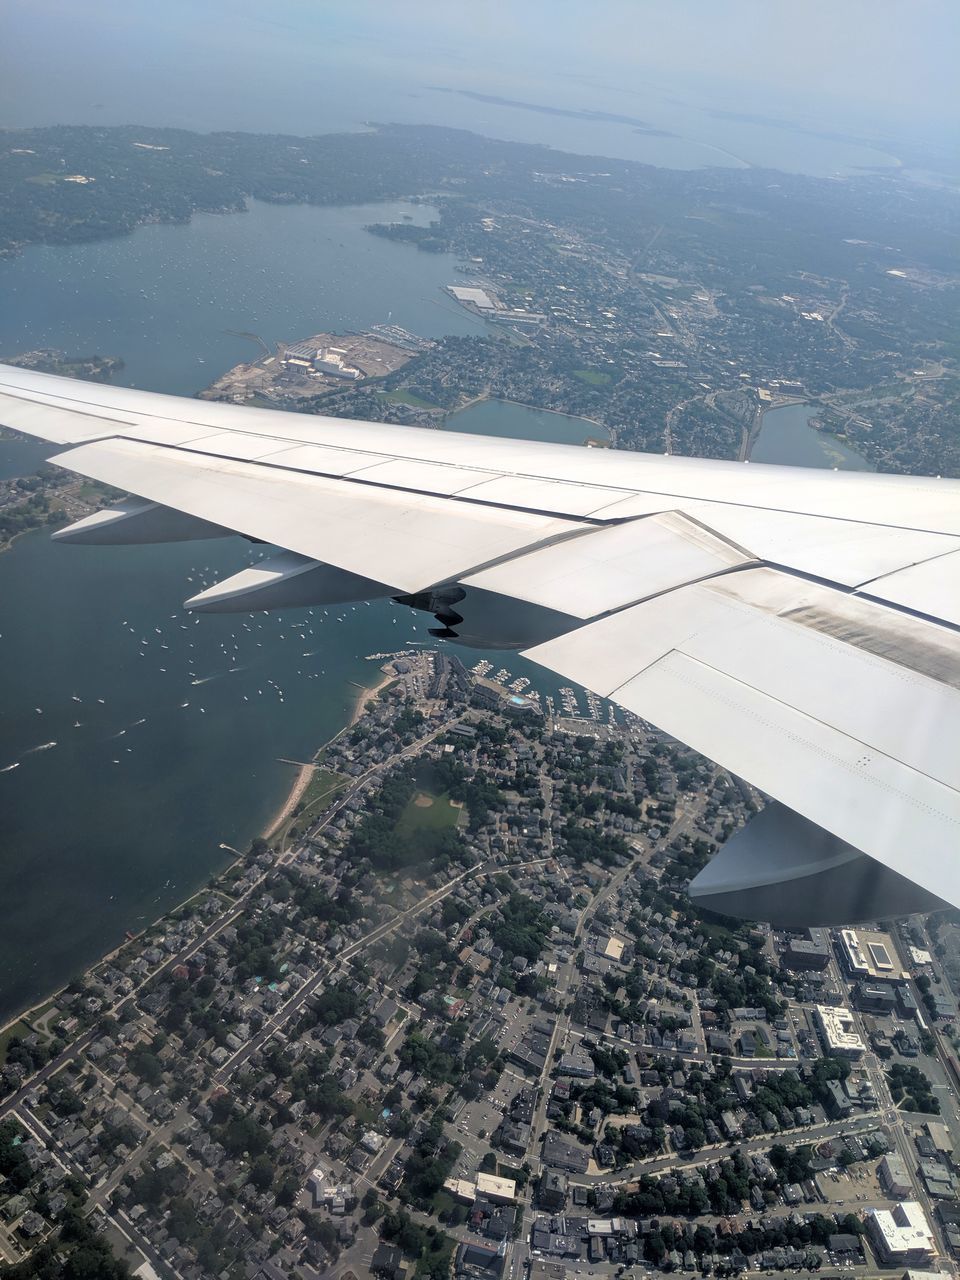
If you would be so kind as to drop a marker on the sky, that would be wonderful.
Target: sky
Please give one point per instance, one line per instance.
(875, 67)
(888, 53)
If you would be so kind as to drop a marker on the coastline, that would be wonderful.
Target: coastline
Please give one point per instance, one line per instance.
(300, 784)
(363, 697)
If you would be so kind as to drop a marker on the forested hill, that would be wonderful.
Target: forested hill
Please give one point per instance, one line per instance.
(65, 184)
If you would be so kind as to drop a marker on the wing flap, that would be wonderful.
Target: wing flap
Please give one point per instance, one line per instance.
(931, 588)
(875, 802)
(613, 567)
(754, 671)
(409, 541)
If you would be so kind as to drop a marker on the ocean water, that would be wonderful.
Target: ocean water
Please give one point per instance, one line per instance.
(172, 299)
(786, 437)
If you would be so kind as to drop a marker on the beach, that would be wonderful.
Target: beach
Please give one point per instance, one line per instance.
(306, 771)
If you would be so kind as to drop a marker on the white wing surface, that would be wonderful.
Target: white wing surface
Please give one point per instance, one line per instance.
(801, 628)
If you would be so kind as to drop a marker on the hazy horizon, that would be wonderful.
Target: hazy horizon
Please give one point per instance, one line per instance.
(866, 71)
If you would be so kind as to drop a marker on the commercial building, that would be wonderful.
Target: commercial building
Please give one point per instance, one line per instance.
(613, 949)
(876, 997)
(333, 361)
(869, 954)
(894, 1177)
(838, 1032)
(939, 1135)
(552, 1191)
(807, 954)
(497, 1190)
(901, 1234)
(478, 298)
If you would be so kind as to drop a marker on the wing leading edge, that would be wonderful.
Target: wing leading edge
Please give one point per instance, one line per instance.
(800, 628)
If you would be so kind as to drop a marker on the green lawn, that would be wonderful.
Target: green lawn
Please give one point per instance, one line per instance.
(427, 811)
(594, 377)
(408, 397)
(321, 787)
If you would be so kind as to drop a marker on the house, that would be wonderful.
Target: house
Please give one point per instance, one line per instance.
(387, 1261)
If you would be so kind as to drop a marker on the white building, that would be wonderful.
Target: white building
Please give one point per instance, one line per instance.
(333, 360)
(901, 1234)
(894, 1177)
(496, 1190)
(838, 1032)
(478, 298)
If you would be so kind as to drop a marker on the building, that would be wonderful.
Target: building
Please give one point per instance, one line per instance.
(894, 1177)
(552, 1191)
(613, 948)
(496, 1190)
(838, 1031)
(876, 997)
(478, 298)
(478, 1260)
(807, 954)
(461, 1189)
(576, 1063)
(869, 954)
(387, 1261)
(901, 1234)
(333, 361)
(939, 1135)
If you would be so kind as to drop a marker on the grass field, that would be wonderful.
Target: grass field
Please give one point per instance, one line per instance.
(427, 811)
(321, 786)
(593, 377)
(408, 397)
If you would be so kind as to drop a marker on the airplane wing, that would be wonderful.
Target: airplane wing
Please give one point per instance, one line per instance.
(801, 628)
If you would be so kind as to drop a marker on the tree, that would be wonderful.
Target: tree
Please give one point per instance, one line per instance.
(261, 1173)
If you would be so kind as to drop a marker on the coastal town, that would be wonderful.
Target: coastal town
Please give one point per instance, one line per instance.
(456, 1016)
(453, 1014)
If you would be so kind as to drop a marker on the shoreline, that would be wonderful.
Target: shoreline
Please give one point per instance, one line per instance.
(285, 812)
(363, 697)
(300, 784)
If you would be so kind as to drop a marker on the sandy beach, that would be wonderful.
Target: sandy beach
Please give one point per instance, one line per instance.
(300, 784)
(364, 696)
(306, 771)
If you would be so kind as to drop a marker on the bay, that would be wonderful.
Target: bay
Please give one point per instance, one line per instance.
(520, 421)
(787, 437)
(172, 300)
